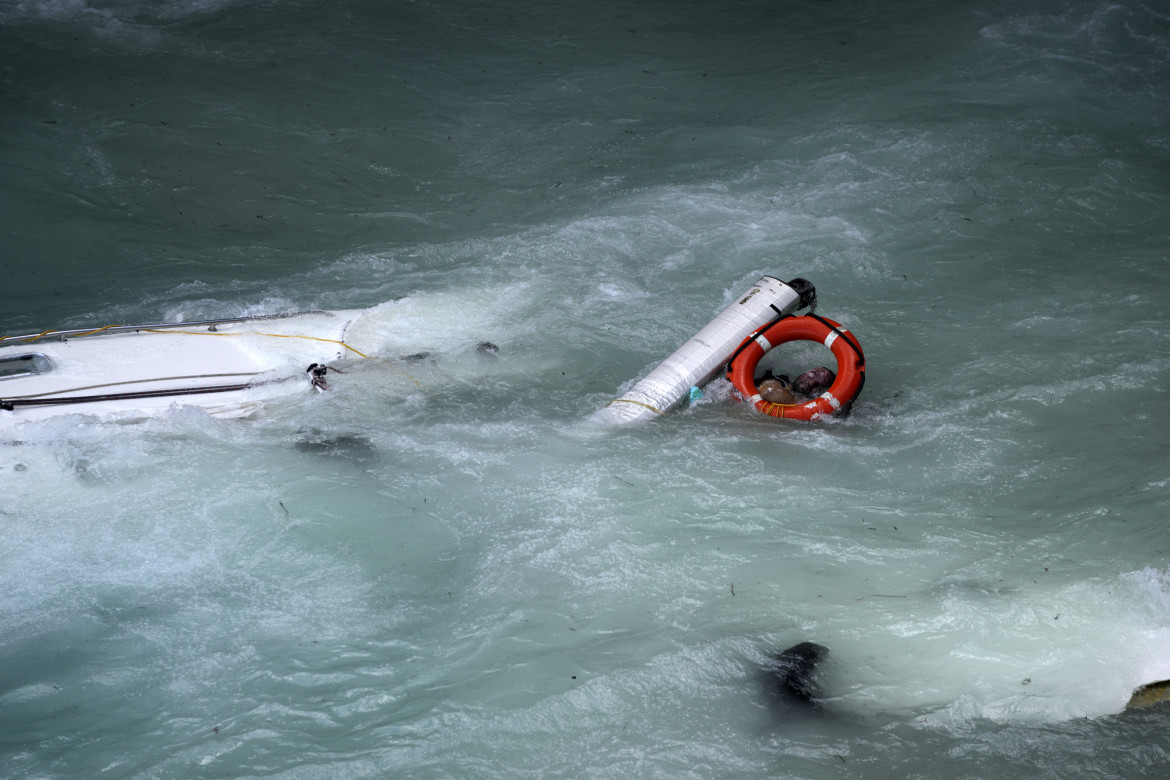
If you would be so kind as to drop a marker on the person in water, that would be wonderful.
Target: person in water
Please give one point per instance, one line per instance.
(778, 390)
(814, 382)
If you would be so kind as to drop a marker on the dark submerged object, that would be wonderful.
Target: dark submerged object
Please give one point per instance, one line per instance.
(353, 446)
(807, 292)
(790, 674)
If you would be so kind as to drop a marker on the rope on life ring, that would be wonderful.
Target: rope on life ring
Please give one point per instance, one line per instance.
(837, 400)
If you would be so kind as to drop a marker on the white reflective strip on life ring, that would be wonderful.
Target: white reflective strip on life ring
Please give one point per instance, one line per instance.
(763, 342)
(755, 399)
(830, 339)
(831, 399)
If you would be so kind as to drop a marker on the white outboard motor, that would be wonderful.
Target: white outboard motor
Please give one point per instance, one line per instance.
(707, 352)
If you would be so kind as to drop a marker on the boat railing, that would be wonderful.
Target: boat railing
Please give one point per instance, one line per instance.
(63, 335)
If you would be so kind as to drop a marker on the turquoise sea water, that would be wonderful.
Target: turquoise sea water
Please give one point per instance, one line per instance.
(440, 575)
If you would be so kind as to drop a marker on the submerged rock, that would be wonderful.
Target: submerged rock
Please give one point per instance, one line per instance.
(344, 445)
(1149, 695)
(790, 674)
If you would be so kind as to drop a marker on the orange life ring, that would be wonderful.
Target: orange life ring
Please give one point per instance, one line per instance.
(836, 400)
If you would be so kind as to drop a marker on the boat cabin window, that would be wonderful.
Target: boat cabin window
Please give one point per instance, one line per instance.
(24, 365)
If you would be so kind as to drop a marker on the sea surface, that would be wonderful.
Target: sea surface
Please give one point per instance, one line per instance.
(446, 575)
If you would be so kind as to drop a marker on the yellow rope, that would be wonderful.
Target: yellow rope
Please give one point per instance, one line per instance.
(253, 333)
(636, 403)
(47, 332)
(90, 333)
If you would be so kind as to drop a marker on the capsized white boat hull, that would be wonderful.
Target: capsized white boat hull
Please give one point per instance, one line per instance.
(226, 367)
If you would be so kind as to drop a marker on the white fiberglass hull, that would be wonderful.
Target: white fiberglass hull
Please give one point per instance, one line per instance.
(227, 368)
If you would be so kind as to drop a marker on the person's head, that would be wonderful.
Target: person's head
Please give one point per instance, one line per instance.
(774, 391)
(814, 381)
